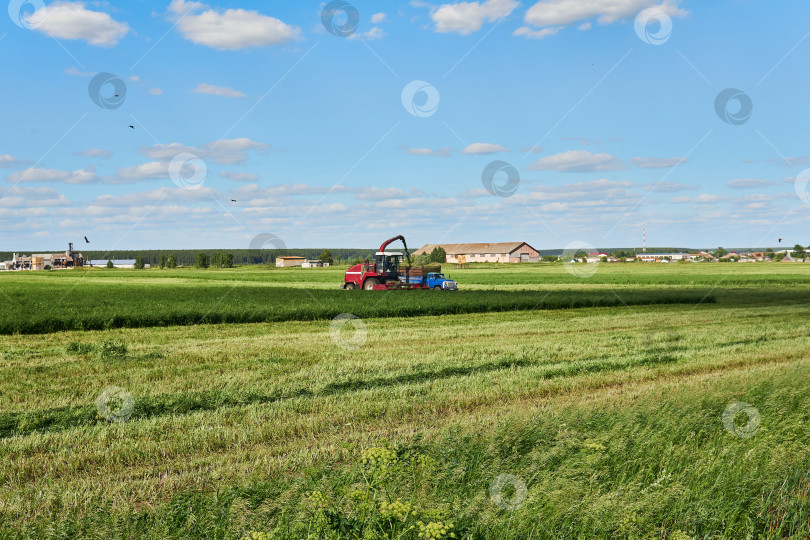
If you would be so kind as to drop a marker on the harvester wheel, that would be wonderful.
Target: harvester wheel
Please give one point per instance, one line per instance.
(349, 286)
(368, 285)
(437, 288)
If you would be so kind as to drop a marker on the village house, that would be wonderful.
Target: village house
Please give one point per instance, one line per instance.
(505, 252)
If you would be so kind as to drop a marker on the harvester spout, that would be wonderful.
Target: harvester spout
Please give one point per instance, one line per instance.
(399, 237)
(385, 244)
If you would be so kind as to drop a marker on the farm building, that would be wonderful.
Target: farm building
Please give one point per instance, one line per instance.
(507, 252)
(290, 260)
(38, 261)
(314, 264)
(658, 257)
(117, 263)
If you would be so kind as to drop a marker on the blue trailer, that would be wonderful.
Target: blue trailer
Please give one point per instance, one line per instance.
(435, 281)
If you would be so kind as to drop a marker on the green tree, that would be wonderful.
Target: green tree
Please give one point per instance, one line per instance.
(218, 260)
(720, 253)
(438, 255)
(799, 253)
(421, 260)
(162, 262)
(227, 260)
(581, 256)
(139, 263)
(779, 256)
(201, 260)
(326, 256)
(110, 264)
(171, 262)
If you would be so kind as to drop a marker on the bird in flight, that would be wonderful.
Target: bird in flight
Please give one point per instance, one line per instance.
(780, 240)
(132, 127)
(86, 241)
(233, 200)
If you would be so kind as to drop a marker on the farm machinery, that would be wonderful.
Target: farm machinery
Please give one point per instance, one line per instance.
(387, 272)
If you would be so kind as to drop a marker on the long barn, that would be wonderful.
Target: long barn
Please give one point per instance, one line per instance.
(507, 252)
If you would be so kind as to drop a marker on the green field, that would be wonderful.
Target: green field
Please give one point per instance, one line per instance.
(530, 404)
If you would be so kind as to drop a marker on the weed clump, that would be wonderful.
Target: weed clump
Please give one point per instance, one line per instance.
(113, 350)
(387, 499)
(83, 349)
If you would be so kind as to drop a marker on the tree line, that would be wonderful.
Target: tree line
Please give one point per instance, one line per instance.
(240, 257)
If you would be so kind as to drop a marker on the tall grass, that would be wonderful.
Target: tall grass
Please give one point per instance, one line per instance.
(135, 305)
(647, 461)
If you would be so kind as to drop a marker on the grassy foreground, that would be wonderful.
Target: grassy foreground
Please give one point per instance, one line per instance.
(558, 423)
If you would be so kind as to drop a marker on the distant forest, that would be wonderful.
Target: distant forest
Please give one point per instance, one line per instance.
(185, 257)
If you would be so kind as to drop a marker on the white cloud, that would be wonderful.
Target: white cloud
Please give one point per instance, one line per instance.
(705, 198)
(239, 176)
(527, 32)
(135, 79)
(226, 151)
(167, 152)
(71, 20)
(381, 194)
(375, 33)
(146, 171)
(748, 183)
(584, 26)
(8, 161)
(791, 161)
(577, 161)
(95, 152)
(442, 152)
(32, 174)
(532, 149)
(467, 17)
(167, 195)
(155, 92)
(72, 71)
(668, 187)
(232, 151)
(378, 18)
(221, 91)
(231, 29)
(484, 148)
(604, 195)
(585, 141)
(19, 196)
(565, 12)
(656, 163)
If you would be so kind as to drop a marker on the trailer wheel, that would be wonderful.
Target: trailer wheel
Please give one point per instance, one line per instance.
(348, 286)
(368, 285)
(437, 288)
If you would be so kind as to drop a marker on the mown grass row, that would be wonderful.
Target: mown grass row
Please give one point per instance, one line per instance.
(137, 305)
(652, 460)
(61, 418)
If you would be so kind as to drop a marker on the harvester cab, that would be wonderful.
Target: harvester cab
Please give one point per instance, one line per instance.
(388, 262)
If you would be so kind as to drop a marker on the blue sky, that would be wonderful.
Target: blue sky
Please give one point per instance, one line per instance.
(610, 123)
